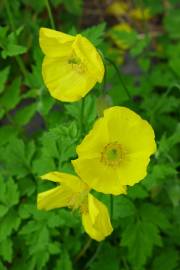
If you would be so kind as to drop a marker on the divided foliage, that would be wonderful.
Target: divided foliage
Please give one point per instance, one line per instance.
(39, 134)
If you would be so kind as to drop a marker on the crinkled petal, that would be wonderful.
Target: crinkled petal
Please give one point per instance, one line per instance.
(98, 176)
(64, 82)
(72, 182)
(130, 130)
(87, 53)
(54, 43)
(96, 221)
(53, 198)
(93, 143)
(133, 169)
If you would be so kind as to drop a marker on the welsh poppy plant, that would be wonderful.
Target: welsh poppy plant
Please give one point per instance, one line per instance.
(74, 193)
(116, 151)
(71, 66)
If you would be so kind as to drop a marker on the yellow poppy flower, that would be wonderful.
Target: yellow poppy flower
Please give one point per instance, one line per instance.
(116, 151)
(74, 193)
(71, 66)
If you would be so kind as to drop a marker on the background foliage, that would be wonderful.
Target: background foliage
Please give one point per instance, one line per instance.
(39, 134)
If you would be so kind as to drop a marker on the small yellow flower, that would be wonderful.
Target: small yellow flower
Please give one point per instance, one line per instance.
(71, 66)
(121, 42)
(75, 194)
(116, 151)
(117, 8)
(141, 14)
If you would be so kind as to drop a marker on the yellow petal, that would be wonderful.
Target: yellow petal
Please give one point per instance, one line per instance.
(74, 183)
(96, 221)
(53, 198)
(130, 130)
(94, 142)
(64, 81)
(98, 176)
(134, 168)
(54, 43)
(85, 50)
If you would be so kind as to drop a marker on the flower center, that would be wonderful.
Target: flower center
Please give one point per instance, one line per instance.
(112, 154)
(76, 63)
(79, 201)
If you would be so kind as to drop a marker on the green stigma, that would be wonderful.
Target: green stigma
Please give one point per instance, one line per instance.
(112, 154)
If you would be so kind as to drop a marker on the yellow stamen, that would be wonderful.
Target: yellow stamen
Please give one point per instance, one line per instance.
(112, 154)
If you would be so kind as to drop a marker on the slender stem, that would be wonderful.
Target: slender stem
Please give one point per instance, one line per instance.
(21, 65)
(105, 79)
(119, 76)
(111, 205)
(94, 256)
(11, 21)
(13, 28)
(82, 118)
(144, 21)
(158, 104)
(84, 249)
(50, 14)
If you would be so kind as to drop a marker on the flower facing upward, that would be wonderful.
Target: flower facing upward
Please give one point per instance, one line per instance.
(74, 193)
(116, 151)
(71, 66)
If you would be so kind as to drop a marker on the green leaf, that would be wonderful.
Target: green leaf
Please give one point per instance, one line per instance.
(73, 6)
(171, 23)
(7, 133)
(122, 207)
(3, 209)
(4, 73)
(95, 33)
(137, 192)
(24, 115)
(166, 260)
(64, 262)
(6, 249)
(85, 112)
(17, 157)
(155, 215)
(107, 258)
(140, 237)
(11, 96)
(9, 223)
(9, 195)
(159, 174)
(13, 50)
(12, 194)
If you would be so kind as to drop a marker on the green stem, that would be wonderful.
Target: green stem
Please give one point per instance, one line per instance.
(111, 205)
(10, 17)
(94, 256)
(50, 14)
(21, 66)
(13, 28)
(161, 100)
(84, 249)
(82, 129)
(119, 76)
(104, 79)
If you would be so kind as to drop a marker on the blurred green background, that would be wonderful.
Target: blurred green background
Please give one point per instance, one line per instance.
(39, 134)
